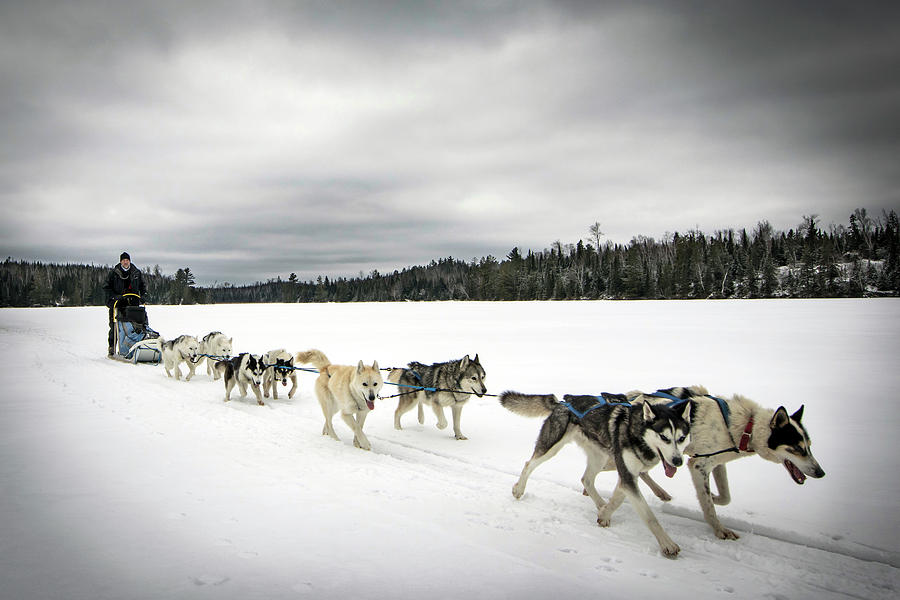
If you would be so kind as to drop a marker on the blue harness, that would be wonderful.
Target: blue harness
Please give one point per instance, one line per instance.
(676, 402)
(602, 401)
(723, 406)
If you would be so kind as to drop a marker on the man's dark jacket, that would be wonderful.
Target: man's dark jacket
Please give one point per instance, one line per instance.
(119, 281)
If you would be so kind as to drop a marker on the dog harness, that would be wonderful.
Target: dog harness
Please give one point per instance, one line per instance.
(605, 399)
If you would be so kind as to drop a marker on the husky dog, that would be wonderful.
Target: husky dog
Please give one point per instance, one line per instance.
(215, 344)
(279, 367)
(454, 380)
(750, 430)
(184, 348)
(635, 437)
(345, 389)
(243, 370)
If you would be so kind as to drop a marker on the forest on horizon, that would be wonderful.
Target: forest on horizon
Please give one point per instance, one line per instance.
(859, 259)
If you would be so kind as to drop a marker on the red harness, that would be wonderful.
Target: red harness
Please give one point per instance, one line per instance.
(745, 437)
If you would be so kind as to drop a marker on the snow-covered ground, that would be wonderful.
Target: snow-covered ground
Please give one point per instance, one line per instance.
(118, 482)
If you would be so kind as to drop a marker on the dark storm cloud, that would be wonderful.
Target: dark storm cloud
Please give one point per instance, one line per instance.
(250, 140)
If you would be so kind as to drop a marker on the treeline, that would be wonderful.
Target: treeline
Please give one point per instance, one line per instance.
(861, 258)
(38, 284)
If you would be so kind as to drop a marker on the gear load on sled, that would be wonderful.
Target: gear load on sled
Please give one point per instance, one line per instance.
(134, 340)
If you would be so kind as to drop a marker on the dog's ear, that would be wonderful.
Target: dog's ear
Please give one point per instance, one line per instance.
(375, 365)
(476, 359)
(360, 367)
(649, 413)
(798, 415)
(686, 412)
(780, 419)
(464, 362)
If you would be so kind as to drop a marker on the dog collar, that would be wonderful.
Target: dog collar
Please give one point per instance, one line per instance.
(745, 437)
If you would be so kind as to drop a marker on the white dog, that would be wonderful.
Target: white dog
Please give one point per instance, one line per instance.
(184, 348)
(215, 344)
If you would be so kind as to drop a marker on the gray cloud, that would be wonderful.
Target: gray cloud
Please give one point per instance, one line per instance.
(256, 139)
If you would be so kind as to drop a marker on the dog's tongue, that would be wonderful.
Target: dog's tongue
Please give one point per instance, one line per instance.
(670, 470)
(796, 474)
(370, 404)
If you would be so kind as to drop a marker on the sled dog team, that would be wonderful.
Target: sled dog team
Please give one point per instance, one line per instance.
(628, 433)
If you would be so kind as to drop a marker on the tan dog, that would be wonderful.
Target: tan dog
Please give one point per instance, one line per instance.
(345, 389)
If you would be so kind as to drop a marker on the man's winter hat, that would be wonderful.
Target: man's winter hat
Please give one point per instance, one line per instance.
(124, 256)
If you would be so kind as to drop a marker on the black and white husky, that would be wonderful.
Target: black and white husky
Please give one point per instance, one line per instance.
(723, 430)
(449, 383)
(215, 344)
(633, 437)
(244, 370)
(279, 368)
(183, 349)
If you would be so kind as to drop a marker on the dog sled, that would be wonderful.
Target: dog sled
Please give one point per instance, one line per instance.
(135, 341)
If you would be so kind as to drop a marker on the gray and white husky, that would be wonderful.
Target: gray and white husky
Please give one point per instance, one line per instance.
(454, 380)
(215, 344)
(183, 349)
(279, 368)
(773, 435)
(634, 437)
(244, 370)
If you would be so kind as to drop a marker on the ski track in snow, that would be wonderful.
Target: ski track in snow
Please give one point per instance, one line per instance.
(459, 492)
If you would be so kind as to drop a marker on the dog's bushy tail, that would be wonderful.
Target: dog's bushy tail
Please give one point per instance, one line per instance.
(528, 405)
(313, 357)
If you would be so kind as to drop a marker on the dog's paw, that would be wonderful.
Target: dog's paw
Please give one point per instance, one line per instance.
(670, 549)
(460, 436)
(441, 425)
(726, 534)
(664, 496)
(603, 521)
(518, 490)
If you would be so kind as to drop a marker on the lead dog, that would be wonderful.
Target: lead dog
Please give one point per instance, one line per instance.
(244, 370)
(747, 430)
(634, 437)
(217, 347)
(279, 368)
(346, 389)
(183, 349)
(454, 383)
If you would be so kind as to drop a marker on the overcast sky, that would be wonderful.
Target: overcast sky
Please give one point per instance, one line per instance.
(248, 140)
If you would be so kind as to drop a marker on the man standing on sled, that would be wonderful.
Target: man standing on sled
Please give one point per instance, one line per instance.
(125, 278)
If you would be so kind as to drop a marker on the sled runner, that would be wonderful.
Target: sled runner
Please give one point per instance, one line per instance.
(135, 342)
